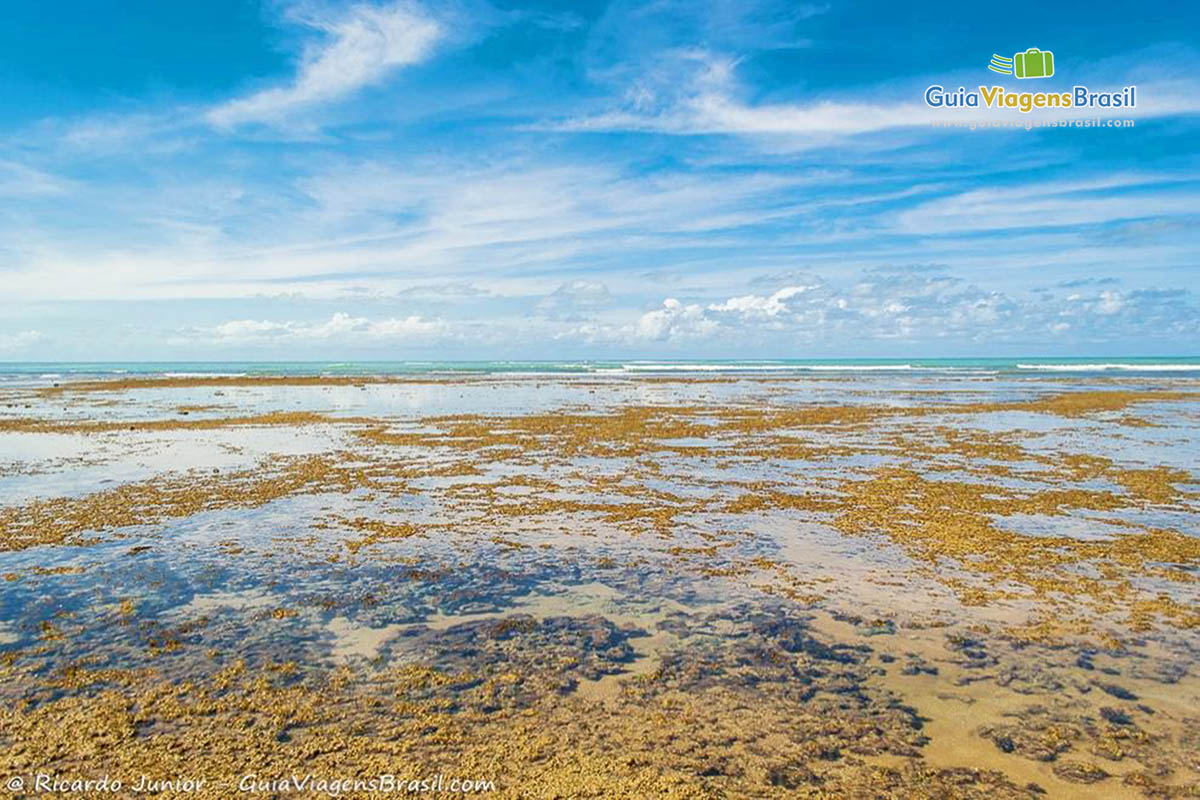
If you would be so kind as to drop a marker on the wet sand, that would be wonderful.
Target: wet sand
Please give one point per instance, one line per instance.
(574, 586)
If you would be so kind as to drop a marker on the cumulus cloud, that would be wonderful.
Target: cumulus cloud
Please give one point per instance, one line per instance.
(757, 305)
(675, 321)
(1141, 313)
(1109, 303)
(899, 305)
(340, 327)
(361, 46)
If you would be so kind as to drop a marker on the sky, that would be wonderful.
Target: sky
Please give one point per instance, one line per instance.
(664, 179)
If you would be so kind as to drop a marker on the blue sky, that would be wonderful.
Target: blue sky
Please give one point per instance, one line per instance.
(296, 180)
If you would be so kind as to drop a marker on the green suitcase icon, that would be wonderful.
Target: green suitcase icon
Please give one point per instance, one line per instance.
(1033, 63)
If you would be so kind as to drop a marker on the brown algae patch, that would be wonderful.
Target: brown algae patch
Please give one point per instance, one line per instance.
(1047, 664)
(278, 419)
(935, 521)
(810, 726)
(1083, 403)
(69, 520)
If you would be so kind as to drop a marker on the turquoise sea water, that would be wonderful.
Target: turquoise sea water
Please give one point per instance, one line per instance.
(1009, 366)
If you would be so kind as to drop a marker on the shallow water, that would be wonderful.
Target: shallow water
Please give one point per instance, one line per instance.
(908, 576)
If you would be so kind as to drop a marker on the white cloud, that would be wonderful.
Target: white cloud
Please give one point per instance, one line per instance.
(900, 305)
(340, 327)
(674, 321)
(575, 298)
(383, 226)
(696, 92)
(699, 95)
(249, 329)
(19, 341)
(884, 306)
(755, 305)
(20, 180)
(364, 44)
(1110, 303)
(448, 289)
(1053, 204)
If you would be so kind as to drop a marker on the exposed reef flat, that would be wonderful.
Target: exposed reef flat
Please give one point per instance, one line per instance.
(933, 586)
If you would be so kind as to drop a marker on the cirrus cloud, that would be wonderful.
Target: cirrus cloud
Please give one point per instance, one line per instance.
(364, 45)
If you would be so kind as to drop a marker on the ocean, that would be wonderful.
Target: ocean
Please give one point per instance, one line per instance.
(51, 370)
